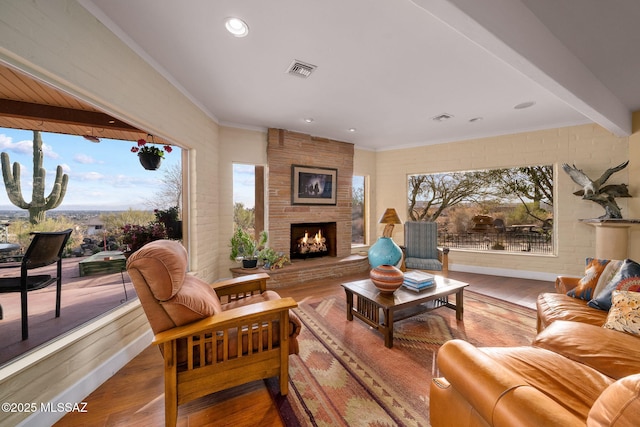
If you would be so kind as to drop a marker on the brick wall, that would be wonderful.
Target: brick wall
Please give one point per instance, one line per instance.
(286, 148)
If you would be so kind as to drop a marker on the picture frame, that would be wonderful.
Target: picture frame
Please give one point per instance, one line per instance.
(312, 185)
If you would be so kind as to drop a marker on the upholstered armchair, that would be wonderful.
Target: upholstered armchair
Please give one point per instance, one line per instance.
(212, 337)
(421, 250)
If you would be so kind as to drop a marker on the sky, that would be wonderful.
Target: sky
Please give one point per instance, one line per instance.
(244, 182)
(102, 176)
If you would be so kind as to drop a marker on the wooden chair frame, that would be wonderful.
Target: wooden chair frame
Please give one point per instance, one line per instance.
(199, 378)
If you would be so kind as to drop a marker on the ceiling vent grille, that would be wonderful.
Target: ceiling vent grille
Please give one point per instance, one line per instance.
(442, 117)
(300, 69)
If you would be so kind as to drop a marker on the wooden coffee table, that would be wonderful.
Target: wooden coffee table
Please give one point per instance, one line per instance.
(380, 310)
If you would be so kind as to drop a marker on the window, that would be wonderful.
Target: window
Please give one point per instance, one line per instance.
(248, 197)
(358, 209)
(501, 209)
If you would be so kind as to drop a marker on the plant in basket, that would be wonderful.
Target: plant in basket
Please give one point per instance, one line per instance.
(149, 154)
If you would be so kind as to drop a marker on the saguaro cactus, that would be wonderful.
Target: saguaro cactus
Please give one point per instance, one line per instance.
(39, 204)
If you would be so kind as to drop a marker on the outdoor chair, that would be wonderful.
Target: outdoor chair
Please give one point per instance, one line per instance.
(421, 250)
(212, 336)
(45, 249)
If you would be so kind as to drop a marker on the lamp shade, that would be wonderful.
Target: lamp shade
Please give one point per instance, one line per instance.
(390, 216)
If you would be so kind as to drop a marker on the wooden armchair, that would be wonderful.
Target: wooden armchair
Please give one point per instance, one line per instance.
(421, 248)
(212, 337)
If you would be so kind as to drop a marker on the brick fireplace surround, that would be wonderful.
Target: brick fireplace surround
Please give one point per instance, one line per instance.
(284, 149)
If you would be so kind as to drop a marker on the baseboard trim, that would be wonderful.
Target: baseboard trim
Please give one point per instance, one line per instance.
(505, 272)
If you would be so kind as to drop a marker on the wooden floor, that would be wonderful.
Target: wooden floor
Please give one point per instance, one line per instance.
(134, 395)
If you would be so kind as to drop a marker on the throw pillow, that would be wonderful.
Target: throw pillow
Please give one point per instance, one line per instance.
(624, 315)
(587, 284)
(626, 279)
(607, 275)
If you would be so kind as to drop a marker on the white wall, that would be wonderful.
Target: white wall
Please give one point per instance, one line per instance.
(59, 42)
(236, 146)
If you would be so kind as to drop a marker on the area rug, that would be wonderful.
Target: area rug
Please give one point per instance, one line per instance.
(345, 376)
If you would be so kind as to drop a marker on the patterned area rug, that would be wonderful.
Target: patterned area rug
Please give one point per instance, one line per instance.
(345, 376)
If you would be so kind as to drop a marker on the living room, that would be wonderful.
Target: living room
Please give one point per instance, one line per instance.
(63, 44)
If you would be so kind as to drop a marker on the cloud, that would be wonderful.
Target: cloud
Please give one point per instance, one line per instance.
(84, 159)
(25, 147)
(91, 176)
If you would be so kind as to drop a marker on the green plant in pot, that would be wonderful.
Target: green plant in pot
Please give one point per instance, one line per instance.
(273, 259)
(245, 247)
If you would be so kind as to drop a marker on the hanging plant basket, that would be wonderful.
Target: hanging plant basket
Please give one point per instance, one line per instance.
(149, 161)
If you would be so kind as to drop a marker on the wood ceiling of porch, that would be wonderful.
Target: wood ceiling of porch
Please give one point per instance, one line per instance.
(26, 103)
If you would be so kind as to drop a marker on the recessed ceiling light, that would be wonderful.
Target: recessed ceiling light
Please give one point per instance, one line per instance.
(309, 120)
(352, 129)
(236, 26)
(524, 105)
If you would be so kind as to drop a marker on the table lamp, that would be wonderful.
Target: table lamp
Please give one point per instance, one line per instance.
(385, 250)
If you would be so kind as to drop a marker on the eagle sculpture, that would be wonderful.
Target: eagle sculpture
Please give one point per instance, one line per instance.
(597, 192)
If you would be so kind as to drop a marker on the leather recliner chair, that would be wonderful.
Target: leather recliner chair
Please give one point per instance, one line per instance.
(212, 337)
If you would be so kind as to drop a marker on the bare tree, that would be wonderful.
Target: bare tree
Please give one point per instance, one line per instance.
(170, 193)
(531, 185)
(430, 195)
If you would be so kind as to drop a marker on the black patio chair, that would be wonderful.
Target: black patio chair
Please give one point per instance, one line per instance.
(45, 249)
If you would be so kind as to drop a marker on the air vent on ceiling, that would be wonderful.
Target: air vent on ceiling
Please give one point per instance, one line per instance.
(442, 117)
(300, 69)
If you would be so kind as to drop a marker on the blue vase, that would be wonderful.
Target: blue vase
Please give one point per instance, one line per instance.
(384, 251)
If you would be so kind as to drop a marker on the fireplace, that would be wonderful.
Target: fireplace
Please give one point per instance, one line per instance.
(313, 239)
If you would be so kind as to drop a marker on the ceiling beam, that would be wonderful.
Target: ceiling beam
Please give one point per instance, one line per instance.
(49, 113)
(511, 32)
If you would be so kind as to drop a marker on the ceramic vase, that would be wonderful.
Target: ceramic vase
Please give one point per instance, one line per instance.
(384, 251)
(386, 278)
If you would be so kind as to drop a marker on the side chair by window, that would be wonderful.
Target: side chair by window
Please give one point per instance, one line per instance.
(421, 250)
(212, 336)
(45, 249)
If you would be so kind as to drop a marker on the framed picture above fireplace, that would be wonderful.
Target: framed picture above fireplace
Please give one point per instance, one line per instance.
(313, 185)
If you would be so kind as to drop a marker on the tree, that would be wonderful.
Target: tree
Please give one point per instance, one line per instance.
(532, 185)
(430, 195)
(39, 203)
(170, 193)
(242, 217)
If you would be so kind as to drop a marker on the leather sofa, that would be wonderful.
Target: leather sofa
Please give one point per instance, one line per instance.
(575, 373)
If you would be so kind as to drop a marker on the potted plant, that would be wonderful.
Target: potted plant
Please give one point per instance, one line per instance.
(170, 219)
(245, 247)
(150, 156)
(272, 259)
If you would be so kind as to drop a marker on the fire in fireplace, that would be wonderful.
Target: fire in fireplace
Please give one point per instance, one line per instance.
(312, 245)
(313, 240)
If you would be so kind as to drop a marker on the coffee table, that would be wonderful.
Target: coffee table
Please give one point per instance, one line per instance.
(381, 310)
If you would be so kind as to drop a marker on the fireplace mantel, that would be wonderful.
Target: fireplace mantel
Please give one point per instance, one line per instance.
(286, 148)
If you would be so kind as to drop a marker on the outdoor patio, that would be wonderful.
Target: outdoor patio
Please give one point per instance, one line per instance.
(83, 298)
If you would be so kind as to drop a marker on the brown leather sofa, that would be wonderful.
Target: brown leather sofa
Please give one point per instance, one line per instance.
(575, 373)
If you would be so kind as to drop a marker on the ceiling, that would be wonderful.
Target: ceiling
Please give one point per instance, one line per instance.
(387, 68)
(29, 104)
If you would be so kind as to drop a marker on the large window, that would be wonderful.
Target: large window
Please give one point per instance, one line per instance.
(500, 209)
(358, 209)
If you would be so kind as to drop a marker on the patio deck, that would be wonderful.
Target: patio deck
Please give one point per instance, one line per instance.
(83, 298)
